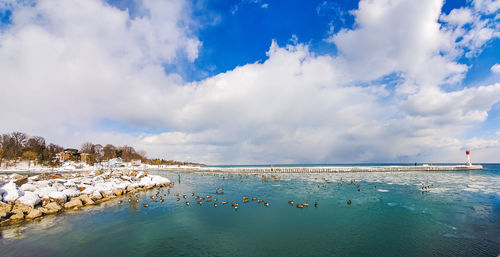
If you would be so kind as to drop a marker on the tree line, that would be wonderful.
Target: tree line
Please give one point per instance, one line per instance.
(18, 146)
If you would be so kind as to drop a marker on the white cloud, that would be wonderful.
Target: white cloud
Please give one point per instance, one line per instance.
(265, 6)
(65, 66)
(495, 68)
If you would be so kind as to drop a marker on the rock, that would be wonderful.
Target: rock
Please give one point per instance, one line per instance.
(130, 188)
(81, 188)
(118, 192)
(16, 218)
(5, 207)
(86, 200)
(29, 198)
(22, 181)
(108, 194)
(51, 208)
(58, 197)
(96, 195)
(21, 208)
(35, 213)
(11, 193)
(75, 202)
(28, 187)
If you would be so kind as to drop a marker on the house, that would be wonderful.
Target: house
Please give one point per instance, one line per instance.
(84, 157)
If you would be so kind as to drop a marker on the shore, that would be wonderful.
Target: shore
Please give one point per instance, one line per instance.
(24, 198)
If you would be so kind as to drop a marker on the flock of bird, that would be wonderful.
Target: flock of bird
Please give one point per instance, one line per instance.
(219, 191)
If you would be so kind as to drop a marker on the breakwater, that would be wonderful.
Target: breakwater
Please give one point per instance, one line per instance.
(333, 169)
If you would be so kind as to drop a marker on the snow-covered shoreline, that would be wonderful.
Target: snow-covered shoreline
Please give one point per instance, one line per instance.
(27, 198)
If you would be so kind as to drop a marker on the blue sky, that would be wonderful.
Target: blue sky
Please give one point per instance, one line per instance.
(258, 81)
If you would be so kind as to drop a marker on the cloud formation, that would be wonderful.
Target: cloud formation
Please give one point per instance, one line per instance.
(73, 64)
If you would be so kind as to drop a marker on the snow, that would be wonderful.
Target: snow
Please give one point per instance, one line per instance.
(71, 192)
(30, 199)
(28, 187)
(11, 192)
(96, 194)
(57, 195)
(2, 182)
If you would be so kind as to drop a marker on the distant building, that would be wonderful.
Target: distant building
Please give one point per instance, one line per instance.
(63, 156)
(84, 157)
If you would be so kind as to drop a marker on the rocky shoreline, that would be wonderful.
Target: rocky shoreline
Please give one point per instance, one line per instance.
(24, 198)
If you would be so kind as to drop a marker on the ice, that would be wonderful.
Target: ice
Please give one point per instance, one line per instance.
(383, 190)
(29, 198)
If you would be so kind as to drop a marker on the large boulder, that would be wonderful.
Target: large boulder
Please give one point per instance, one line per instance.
(28, 187)
(96, 195)
(86, 200)
(21, 208)
(58, 197)
(35, 213)
(11, 193)
(51, 208)
(75, 202)
(5, 207)
(29, 198)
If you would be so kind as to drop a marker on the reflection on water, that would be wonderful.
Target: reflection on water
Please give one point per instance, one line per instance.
(389, 215)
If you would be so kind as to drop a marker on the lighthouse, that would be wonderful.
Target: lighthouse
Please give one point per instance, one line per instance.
(467, 152)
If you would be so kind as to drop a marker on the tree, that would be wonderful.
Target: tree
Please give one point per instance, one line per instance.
(29, 156)
(109, 152)
(36, 144)
(18, 142)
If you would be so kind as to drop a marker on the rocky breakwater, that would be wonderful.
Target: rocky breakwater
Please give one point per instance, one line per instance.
(25, 198)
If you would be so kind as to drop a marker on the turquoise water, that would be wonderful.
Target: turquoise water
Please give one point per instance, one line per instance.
(389, 216)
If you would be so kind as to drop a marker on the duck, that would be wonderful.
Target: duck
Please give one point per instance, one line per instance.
(290, 202)
(215, 199)
(254, 198)
(260, 200)
(234, 204)
(196, 197)
(161, 200)
(187, 203)
(208, 200)
(236, 207)
(224, 202)
(306, 204)
(176, 194)
(315, 204)
(199, 202)
(184, 196)
(245, 201)
(202, 198)
(145, 205)
(209, 196)
(300, 206)
(349, 202)
(266, 204)
(245, 197)
(178, 199)
(192, 194)
(215, 205)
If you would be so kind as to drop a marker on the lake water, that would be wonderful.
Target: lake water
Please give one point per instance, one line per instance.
(389, 216)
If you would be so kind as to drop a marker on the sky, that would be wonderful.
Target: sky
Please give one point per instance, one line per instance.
(257, 81)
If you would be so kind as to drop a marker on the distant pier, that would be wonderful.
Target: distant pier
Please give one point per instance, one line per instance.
(332, 169)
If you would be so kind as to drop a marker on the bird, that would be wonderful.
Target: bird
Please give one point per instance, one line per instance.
(209, 196)
(215, 205)
(266, 204)
(177, 194)
(349, 202)
(245, 201)
(196, 197)
(300, 206)
(178, 199)
(208, 200)
(184, 196)
(260, 200)
(245, 197)
(234, 204)
(199, 202)
(315, 204)
(290, 202)
(215, 199)
(253, 198)
(236, 207)
(306, 204)
(145, 205)
(187, 203)
(224, 202)
(192, 194)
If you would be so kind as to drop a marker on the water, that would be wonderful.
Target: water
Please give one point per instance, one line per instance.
(390, 216)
